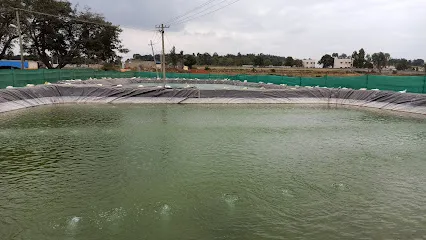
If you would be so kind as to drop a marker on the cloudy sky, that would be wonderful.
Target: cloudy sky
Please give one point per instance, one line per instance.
(298, 28)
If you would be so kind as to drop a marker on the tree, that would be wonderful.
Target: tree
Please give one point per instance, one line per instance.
(327, 61)
(387, 58)
(379, 60)
(68, 40)
(402, 65)
(8, 31)
(298, 63)
(335, 55)
(268, 62)
(98, 43)
(259, 60)
(418, 62)
(344, 55)
(190, 61)
(207, 58)
(368, 65)
(289, 62)
(359, 58)
(368, 58)
(173, 56)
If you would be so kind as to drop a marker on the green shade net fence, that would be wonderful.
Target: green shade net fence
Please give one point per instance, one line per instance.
(414, 84)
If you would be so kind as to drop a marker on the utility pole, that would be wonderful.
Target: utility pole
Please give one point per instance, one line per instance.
(163, 55)
(18, 23)
(153, 55)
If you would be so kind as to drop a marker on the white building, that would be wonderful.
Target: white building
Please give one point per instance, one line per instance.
(309, 63)
(343, 62)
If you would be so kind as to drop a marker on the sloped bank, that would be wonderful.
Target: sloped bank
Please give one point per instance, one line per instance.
(106, 91)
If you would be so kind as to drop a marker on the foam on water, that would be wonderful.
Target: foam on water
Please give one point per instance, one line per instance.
(230, 199)
(73, 222)
(112, 217)
(165, 210)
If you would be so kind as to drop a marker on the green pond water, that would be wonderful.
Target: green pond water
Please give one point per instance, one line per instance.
(211, 172)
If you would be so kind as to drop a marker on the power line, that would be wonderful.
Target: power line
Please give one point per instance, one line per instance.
(157, 38)
(62, 17)
(186, 13)
(195, 16)
(170, 43)
(198, 12)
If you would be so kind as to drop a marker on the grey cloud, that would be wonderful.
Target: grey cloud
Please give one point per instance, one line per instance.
(302, 28)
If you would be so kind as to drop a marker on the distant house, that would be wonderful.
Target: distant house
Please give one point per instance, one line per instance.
(343, 62)
(141, 65)
(309, 63)
(16, 64)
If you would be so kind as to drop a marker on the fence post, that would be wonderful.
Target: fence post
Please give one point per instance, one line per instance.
(13, 78)
(44, 77)
(73, 74)
(424, 83)
(326, 78)
(60, 77)
(366, 84)
(300, 84)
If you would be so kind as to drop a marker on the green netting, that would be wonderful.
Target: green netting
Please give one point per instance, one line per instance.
(271, 79)
(6, 78)
(24, 77)
(248, 78)
(66, 74)
(101, 74)
(146, 74)
(219, 76)
(413, 84)
(83, 74)
(313, 81)
(199, 76)
(348, 82)
(292, 81)
(52, 76)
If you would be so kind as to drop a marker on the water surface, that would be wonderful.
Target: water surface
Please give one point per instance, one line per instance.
(211, 172)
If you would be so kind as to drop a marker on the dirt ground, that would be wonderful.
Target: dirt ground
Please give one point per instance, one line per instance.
(292, 72)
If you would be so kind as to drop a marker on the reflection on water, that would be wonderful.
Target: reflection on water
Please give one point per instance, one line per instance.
(210, 172)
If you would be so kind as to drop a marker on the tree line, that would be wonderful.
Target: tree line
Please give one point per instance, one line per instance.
(206, 59)
(65, 36)
(378, 60)
(360, 60)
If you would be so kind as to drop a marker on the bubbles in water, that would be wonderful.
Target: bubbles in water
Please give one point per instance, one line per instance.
(286, 193)
(72, 223)
(111, 217)
(230, 199)
(165, 210)
(75, 132)
(339, 186)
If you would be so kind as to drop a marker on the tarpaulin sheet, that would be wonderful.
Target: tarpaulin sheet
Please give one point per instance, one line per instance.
(12, 99)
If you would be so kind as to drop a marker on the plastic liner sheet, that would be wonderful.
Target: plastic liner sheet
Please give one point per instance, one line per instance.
(18, 98)
(128, 81)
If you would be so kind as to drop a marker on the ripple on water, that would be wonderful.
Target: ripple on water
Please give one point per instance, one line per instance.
(165, 210)
(230, 199)
(71, 225)
(111, 217)
(340, 186)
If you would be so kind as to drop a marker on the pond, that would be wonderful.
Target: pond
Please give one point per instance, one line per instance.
(211, 172)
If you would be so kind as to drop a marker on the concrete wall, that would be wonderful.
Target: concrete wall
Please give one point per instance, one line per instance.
(343, 62)
(309, 63)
